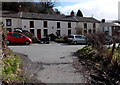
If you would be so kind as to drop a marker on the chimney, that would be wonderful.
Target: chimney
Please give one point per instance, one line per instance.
(103, 20)
(72, 13)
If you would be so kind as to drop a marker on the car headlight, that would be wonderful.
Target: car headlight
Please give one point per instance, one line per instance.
(30, 39)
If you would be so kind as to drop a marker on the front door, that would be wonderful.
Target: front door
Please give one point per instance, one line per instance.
(39, 33)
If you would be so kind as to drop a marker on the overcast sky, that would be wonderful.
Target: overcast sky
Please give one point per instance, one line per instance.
(99, 9)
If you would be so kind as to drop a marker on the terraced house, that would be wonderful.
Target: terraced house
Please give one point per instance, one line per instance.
(43, 24)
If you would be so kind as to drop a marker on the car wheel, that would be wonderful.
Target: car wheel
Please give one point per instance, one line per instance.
(27, 42)
(7, 42)
(75, 42)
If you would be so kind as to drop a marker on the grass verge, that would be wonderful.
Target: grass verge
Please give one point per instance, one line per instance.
(11, 68)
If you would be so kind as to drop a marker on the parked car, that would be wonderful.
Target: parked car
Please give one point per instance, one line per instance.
(14, 37)
(77, 39)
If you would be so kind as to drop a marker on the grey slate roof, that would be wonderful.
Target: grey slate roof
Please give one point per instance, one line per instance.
(54, 17)
(108, 25)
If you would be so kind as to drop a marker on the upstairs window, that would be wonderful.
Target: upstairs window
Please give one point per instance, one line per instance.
(69, 25)
(8, 22)
(85, 25)
(58, 24)
(45, 24)
(94, 25)
(31, 24)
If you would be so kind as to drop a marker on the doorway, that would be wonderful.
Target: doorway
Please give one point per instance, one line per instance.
(39, 33)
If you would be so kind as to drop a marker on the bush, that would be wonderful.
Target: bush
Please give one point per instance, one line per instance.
(86, 53)
(116, 58)
(102, 56)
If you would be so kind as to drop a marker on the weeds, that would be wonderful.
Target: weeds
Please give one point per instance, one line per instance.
(11, 70)
(106, 69)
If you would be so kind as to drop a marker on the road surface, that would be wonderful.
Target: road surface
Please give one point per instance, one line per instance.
(57, 61)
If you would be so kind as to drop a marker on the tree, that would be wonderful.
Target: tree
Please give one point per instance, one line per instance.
(36, 7)
(79, 13)
(57, 11)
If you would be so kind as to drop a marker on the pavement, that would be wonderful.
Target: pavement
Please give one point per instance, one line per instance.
(57, 60)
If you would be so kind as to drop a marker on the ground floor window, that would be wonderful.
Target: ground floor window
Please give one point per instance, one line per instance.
(85, 32)
(9, 29)
(58, 32)
(45, 31)
(32, 31)
(90, 31)
(94, 31)
(69, 31)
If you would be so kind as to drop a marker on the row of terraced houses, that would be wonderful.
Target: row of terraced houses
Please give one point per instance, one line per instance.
(43, 24)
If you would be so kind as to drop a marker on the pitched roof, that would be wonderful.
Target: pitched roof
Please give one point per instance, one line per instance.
(86, 19)
(56, 17)
(108, 24)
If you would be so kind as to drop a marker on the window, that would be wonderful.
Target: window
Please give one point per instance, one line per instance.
(9, 29)
(69, 31)
(45, 32)
(78, 37)
(45, 23)
(8, 22)
(94, 25)
(85, 25)
(69, 25)
(85, 32)
(58, 24)
(94, 31)
(12, 34)
(58, 32)
(31, 24)
(32, 31)
(90, 31)
(18, 35)
(15, 35)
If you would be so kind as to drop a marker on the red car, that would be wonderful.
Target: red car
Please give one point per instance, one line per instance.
(14, 37)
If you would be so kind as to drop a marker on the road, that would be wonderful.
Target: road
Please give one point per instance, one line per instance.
(57, 61)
